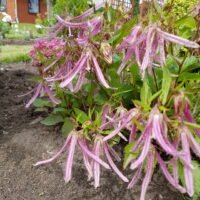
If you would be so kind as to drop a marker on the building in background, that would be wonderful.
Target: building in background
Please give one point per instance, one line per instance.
(24, 11)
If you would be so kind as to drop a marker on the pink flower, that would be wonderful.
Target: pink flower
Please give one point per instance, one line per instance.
(103, 147)
(106, 50)
(69, 147)
(123, 121)
(148, 47)
(148, 175)
(90, 25)
(150, 161)
(173, 180)
(185, 136)
(41, 89)
(156, 129)
(45, 50)
(182, 109)
(80, 69)
(187, 141)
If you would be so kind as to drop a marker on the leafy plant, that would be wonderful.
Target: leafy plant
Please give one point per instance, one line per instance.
(70, 7)
(181, 8)
(4, 28)
(109, 78)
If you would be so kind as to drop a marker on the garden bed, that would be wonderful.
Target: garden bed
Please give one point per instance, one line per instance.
(23, 141)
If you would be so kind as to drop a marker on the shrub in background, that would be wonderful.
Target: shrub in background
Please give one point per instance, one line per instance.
(4, 28)
(70, 7)
(180, 8)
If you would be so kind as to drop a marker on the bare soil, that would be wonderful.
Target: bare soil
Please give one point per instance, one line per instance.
(23, 142)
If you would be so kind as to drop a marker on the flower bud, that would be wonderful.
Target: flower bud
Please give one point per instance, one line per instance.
(106, 50)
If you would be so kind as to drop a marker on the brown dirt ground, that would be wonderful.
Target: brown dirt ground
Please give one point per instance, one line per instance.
(23, 142)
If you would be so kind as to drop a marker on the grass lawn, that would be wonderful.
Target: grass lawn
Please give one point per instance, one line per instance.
(14, 53)
(24, 31)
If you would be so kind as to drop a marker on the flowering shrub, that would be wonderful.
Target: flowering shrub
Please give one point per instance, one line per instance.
(110, 78)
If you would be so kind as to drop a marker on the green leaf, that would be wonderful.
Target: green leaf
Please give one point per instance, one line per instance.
(81, 116)
(40, 103)
(127, 92)
(89, 87)
(59, 110)
(192, 125)
(36, 78)
(154, 96)
(67, 127)
(121, 93)
(190, 76)
(187, 21)
(191, 63)
(195, 66)
(172, 64)
(196, 175)
(138, 125)
(181, 172)
(100, 98)
(52, 120)
(145, 92)
(186, 26)
(109, 15)
(114, 78)
(128, 155)
(142, 104)
(135, 72)
(41, 110)
(127, 159)
(114, 38)
(116, 58)
(166, 83)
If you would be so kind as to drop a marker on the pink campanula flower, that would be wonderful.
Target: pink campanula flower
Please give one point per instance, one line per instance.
(69, 146)
(148, 47)
(42, 88)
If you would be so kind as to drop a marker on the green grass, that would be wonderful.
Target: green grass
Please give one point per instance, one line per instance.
(24, 32)
(14, 53)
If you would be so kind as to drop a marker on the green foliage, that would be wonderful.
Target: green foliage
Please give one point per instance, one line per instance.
(70, 7)
(4, 28)
(67, 126)
(25, 31)
(145, 94)
(166, 84)
(52, 119)
(196, 175)
(14, 53)
(81, 116)
(180, 8)
(41, 103)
